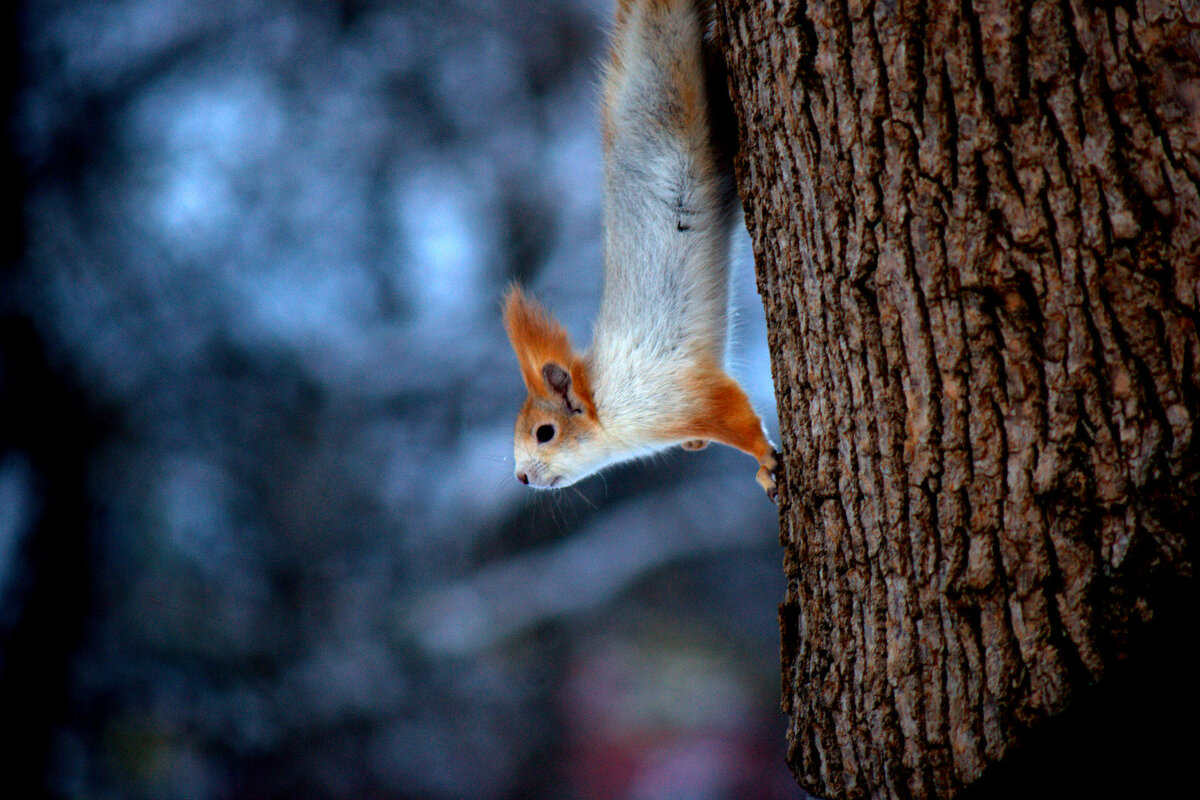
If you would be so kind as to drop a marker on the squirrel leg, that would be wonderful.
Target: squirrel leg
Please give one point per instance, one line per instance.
(766, 475)
(695, 444)
(725, 415)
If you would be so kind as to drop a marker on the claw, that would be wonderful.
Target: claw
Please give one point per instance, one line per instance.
(695, 444)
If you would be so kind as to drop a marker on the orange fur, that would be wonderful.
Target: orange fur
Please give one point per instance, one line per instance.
(537, 339)
(723, 414)
(606, 128)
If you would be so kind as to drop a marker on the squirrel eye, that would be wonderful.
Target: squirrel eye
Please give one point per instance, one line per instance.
(544, 433)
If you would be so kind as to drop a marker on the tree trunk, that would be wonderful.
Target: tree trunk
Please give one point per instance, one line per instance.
(976, 229)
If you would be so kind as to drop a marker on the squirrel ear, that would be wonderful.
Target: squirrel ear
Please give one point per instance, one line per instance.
(558, 381)
(536, 337)
(549, 366)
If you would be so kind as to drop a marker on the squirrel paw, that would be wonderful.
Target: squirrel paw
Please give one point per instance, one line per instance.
(695, 444)
(766, 476)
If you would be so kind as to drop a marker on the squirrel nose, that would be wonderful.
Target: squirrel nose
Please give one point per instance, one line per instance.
(523, 478)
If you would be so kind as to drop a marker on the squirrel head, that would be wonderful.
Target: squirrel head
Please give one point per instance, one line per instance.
(558, 419)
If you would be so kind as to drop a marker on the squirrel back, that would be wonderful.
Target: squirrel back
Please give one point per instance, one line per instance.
(668, 191)
(653, 376)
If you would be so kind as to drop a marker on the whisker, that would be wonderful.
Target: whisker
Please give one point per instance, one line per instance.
(498, 484)
(584, 497)
(560, 519)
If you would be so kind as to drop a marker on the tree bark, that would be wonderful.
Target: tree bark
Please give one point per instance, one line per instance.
(976, 229)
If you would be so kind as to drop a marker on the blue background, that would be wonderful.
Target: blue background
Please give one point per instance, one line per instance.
(259, 533)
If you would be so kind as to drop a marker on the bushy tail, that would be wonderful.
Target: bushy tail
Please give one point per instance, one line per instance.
(665, 82)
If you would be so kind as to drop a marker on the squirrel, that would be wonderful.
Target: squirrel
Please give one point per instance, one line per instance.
(653, 376)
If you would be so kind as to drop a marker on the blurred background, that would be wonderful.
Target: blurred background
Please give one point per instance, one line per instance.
(259, 534)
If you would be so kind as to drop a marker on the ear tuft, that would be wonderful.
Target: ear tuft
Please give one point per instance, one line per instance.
(536, 337)
(549, 366)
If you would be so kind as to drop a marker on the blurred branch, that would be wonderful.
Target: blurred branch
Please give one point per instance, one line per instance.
(589, 570)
